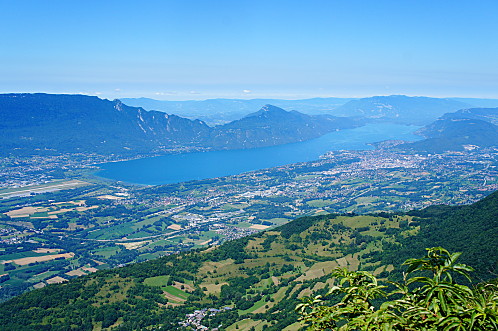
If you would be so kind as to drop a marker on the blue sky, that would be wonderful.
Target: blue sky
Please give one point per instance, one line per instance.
(177, 50)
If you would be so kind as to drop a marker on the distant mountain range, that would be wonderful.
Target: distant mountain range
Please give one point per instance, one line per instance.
(221, 111)
(400, 108)
(483, 114)
(465, 128)
(394, 108)
(52, 124)
(274, 126)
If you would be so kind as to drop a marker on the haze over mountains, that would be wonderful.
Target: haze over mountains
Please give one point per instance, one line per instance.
(44, 124)
(466, 128)
(404, 109)
(220, 111)
(51, 124)
(400, 108)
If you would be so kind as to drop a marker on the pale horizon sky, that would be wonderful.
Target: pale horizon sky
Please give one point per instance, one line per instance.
(184, 50)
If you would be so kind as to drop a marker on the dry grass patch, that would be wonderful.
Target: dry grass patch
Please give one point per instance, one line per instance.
(133, 245)
(39, 285)
(247, 324)
(318, 286)
(342, 262)
(305, 293)
(86, 208)
(318, 270)
(294, 327)
(171, 297)
(90, 269)
(26, 211)
(353, 262)
(47, 250)
(56, 280)
(52, 217)
(174, 227)
(259, 227)
(42, 258)
(295, 289)
(77, 272)
(186, 287)
(255, 243)
(211, 266)
(277, 296)
(213, 288)
(109, 197)
(60, 211)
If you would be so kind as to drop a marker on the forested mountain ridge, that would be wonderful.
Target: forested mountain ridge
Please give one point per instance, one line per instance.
(260, 278)
(274, 126)
(54, 124)
(483, 114)
(455, 131)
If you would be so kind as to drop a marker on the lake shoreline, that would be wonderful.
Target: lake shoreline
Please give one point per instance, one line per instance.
(183, 167)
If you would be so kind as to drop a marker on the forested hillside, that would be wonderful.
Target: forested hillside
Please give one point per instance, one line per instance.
(466, 128)
(258, 280)
(51, 124)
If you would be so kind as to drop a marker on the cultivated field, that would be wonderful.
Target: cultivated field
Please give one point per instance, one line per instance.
(42, 258)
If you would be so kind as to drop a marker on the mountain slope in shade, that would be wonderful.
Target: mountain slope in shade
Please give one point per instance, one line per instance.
(455, 131)
(483, 114)
(52, 124)
(399, 108)
(77, 123)
(273, 126)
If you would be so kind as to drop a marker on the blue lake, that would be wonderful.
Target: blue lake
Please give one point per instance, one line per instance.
(177, 168)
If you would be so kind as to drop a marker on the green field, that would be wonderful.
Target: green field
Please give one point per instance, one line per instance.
(319, 203)
(160, 281)
(256, 306)
(107, 251)
(176, 292)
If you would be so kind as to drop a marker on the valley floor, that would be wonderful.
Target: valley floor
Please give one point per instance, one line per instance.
(98, 225)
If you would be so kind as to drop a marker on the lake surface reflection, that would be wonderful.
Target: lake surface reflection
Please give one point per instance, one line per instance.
(177, 168)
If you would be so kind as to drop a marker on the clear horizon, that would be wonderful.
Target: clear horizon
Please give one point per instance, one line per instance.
(197, 50)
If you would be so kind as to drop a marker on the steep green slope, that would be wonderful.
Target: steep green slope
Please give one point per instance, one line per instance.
(472, 229)
(258, 278)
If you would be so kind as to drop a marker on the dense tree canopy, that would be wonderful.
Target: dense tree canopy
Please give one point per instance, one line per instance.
(429, 298)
